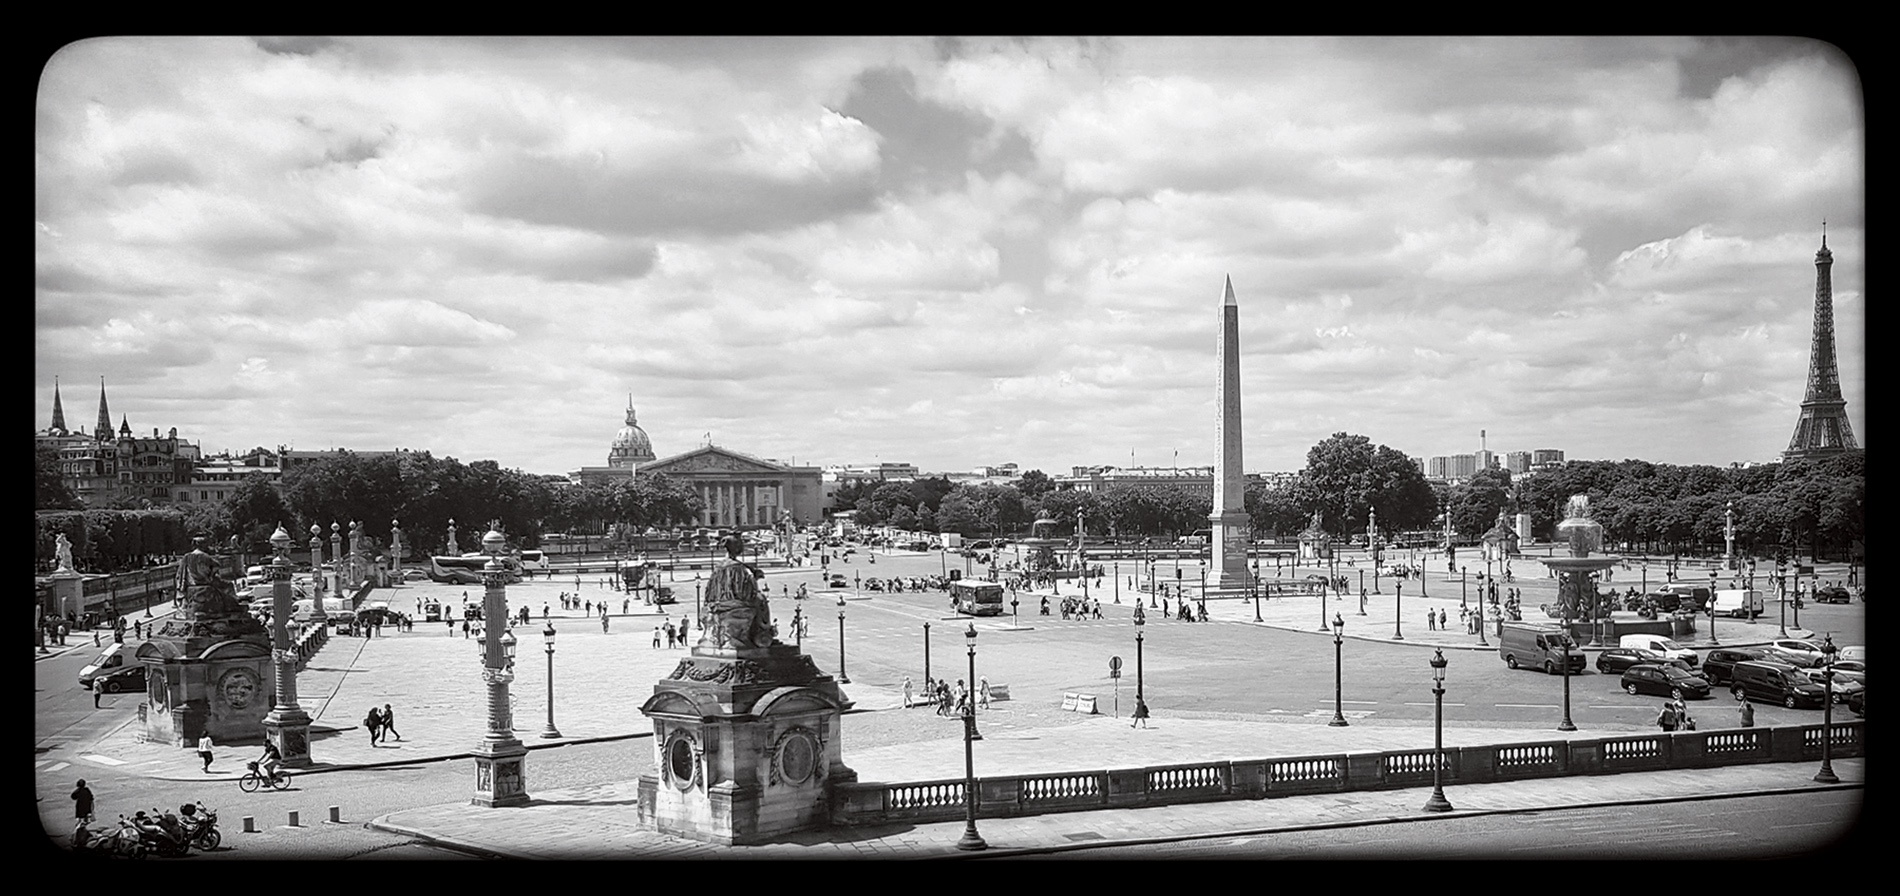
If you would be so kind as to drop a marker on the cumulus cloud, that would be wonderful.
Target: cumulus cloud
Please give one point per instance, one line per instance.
(819, 247)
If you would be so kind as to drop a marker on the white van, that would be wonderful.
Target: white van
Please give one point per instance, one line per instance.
(1740, 603)
(1661, 645)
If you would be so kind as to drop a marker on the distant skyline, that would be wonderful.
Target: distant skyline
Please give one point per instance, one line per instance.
(949, 252)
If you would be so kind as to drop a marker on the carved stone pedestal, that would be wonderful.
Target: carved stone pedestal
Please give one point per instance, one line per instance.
(223, 689)
(499, 774)
(747, 743)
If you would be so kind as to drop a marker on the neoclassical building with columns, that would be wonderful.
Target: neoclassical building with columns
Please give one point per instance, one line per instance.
(739, 491)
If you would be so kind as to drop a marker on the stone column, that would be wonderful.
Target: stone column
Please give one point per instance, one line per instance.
(286, 725)
(358, 572)
(500, 757)
(316, 570)
(343, 582)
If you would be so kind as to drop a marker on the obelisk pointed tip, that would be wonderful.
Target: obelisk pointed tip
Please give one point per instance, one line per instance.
(1228, 297)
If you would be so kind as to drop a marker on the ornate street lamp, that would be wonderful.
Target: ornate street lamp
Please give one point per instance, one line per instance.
(970, 840)
(1712, 639)
(547, 635)
(1566, 724)
(842, 678)
(1256, 590)
(1438, 803)
(1015, 618)
(1826, 774)
(286, 724)
(316, 570)
(926, 654)
(1748, 602)
(1398, 615)
(1781, 589)
(1339, 634)
(1141, 705)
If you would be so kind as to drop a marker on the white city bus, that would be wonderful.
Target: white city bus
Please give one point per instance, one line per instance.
(977, 597)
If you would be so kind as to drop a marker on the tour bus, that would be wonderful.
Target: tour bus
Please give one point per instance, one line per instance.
(977, 597)
(467, 569)
(534, 560)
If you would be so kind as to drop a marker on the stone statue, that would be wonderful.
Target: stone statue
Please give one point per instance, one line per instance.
(205, 592)
(740, 616)
(63, 550)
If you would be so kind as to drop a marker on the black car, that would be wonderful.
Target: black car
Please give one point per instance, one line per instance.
(1857, 702)
(1833, 594)
(131, 678)
(1618, 659)
(1666, 681)
(1719, 665)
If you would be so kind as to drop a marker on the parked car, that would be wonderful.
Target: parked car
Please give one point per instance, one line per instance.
(1858, 703)
(1661, 645)
(1842, 686)
(1618, 659)
(1853, 652)
(837, 581)
(1850, 669)
(1666, 681)
(114, 658)
(1807, 650)
(1775, 683)
(1717, 666)
(1833, 594)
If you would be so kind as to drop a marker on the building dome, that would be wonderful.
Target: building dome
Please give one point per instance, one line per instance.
(631, 445)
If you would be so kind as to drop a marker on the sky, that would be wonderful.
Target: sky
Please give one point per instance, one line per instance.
(950, 252)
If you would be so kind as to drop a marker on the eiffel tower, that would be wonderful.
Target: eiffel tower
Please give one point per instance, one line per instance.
(1822, 430)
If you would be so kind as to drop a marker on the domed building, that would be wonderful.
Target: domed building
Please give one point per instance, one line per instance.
(631, 446)
(736, 490)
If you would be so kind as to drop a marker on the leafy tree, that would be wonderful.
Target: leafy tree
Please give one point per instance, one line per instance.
(1034, 484)
(1346, 476)
(957, 514)
(49, 488)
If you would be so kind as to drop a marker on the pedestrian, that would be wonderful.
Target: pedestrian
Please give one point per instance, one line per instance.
(1431, 620)
(374, 722)
(1140, 715)
(983, 692)
(1441, 620)
(656, 637)
(682, 633)
(465, 628)
(138, 629)
(98, 688)
(82, 802)
(1747, 711)
(204, 750)
(544, 611)
(1685, 722)
(1666, 720)
(624, 605)
(906, 692)
(603, 623)
(671, 636)
(389, 723)
(451, 624)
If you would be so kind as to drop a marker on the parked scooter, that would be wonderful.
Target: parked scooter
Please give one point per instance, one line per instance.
(200, 825)
(166, 839)
(123, 840)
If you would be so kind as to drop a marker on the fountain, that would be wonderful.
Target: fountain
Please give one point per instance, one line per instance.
(1575, 590)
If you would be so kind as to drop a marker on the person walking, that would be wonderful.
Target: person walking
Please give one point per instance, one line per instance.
(1666, 720)
(672, 636)
(204, 750)
(82, 803)
(389, 723)
(683, 633)
(374, 722)
(1747, 710)
(656, 637)
(906, 692)
(465, 628)
(983, 692)
(544, 611)
(603, 623)
(1140, 715)
(98, 688)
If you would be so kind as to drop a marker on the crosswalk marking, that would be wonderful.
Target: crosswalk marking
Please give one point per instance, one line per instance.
(102, 760)
(57, 767)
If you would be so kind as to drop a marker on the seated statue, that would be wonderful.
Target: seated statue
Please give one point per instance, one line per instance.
(738, 613)
(206, 593)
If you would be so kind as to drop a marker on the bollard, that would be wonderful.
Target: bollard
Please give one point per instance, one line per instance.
(336, 815)
(250, 825)
(293, 818)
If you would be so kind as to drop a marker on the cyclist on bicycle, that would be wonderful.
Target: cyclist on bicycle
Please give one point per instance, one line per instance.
(267, 764)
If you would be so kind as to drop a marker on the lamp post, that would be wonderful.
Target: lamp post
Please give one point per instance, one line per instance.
(1438, 803)
(1462, 591)
(1015, 617)
(1322, 606)
(927, 654)
(1118, 580)
(1748, 599)
(343, 579)
(395, 552)
(1339, 639)
(1140, 701)
(1781, 590)
(970, 840)
(1398, 615)
(1482, 618)
(1566, 724)
(547, 636)
(1797, 594)
(1826, 774)
(1712, 639)
(1256, 590)
(499, 758)
(316, 570)
(842, 678)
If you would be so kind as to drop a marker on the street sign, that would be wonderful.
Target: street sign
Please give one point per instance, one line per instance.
(1114, 667)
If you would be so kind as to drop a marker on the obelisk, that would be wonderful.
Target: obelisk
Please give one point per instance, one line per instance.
(1229, 519)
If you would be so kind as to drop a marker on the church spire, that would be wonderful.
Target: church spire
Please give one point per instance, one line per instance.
(103, 428)
(59, 413)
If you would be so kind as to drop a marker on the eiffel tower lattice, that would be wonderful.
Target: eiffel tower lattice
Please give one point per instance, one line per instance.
(1823, 428)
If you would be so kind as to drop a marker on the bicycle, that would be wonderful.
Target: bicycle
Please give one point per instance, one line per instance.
(254, 779)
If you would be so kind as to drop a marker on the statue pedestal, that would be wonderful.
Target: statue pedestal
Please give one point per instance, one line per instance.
(747, 743)
(499, 779)
(289, 729)
(223, 690)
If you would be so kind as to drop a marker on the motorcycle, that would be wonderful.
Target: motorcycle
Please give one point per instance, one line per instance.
(123, 840)
(161, 834)
(200, 825)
